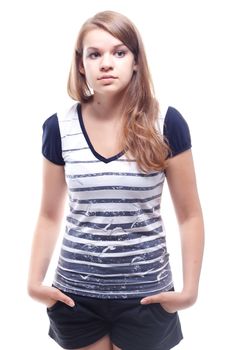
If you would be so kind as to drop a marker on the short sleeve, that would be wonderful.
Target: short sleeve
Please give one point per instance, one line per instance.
(176, 132)
(51, 141)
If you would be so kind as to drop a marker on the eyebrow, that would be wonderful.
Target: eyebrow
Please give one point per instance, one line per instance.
(96, 48)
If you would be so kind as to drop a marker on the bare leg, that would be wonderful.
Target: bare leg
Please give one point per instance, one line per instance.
(101, 344)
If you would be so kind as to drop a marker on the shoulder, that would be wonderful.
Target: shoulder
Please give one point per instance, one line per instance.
(174, 119)
(55, 129)
(59, 123)
(51, 122)
(50, 127)
(176, 131)
(67, 113)
(51, 140)
(67, 119)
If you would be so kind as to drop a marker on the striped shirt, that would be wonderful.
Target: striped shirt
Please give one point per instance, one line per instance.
(114, 243)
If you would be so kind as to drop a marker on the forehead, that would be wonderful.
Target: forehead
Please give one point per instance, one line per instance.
(99, 38)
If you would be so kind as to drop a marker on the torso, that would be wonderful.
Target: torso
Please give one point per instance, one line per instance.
(114, 244)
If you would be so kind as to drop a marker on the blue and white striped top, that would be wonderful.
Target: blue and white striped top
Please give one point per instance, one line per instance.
(114, 244)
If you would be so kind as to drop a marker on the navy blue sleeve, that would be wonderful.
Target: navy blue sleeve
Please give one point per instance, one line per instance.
(51, 141)
(176, 132)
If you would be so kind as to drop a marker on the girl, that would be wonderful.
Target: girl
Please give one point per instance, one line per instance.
(111, 152)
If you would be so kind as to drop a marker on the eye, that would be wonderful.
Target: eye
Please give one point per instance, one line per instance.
(94, 55)
(120, 53)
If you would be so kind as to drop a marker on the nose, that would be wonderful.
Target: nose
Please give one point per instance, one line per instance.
(106, 63)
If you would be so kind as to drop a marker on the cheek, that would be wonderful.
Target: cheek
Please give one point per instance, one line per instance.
(127, 68)
(90, 81)
(127, 74)
(89, 73)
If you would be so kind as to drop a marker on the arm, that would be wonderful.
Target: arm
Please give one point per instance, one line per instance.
(46, 233)
(182, 185)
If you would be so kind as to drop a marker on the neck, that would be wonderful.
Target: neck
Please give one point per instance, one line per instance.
(106, 107)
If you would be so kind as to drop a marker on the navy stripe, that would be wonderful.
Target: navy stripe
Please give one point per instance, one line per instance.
(114, 213)
(92, 247)
(77, 133)
(107, 259)
(82, 161)
(126, 160)
(74, 149)
(119, 293)
(112, 226)
(111, 188)
(112, 174)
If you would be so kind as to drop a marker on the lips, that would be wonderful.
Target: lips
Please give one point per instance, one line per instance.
(107, 77)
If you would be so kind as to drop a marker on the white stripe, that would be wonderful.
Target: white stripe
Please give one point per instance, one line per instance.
(124, 243)
(106, 265)
(133, 274)
(76, 289)
(121, 275)
(113, 255)
(118, 231)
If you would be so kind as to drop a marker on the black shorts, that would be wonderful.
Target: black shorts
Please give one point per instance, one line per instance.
(129, 324)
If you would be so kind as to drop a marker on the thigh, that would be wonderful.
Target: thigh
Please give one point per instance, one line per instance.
(101, 344)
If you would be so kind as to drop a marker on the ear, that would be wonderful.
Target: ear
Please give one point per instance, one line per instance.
(135, 67)
(81, 68)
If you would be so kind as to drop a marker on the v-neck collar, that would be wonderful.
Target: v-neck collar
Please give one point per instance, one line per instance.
(96, 154)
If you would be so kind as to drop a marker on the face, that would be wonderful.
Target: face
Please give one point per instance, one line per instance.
(108, 64)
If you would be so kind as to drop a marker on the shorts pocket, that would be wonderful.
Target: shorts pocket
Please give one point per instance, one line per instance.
(161, 308)
(57, 304)
(160, 313)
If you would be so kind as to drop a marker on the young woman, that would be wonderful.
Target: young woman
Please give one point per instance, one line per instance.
(111, 151)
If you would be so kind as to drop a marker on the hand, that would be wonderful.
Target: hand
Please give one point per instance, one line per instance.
(171, 301)
(49, 295)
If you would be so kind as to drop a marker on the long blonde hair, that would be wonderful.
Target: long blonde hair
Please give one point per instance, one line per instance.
(140, 138)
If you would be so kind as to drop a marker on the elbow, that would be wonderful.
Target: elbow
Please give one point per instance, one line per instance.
(191, 300)
(30, 290)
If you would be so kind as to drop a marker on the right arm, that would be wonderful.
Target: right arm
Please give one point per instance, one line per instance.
(46, 234)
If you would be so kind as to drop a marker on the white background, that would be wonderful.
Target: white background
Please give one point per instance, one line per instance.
(189, 48)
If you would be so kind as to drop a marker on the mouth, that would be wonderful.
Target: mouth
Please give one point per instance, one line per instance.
(106, 77)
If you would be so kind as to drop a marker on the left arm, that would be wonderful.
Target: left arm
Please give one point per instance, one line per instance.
(182, 185)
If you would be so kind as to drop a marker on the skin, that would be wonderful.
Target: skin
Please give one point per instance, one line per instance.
(109, 57)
